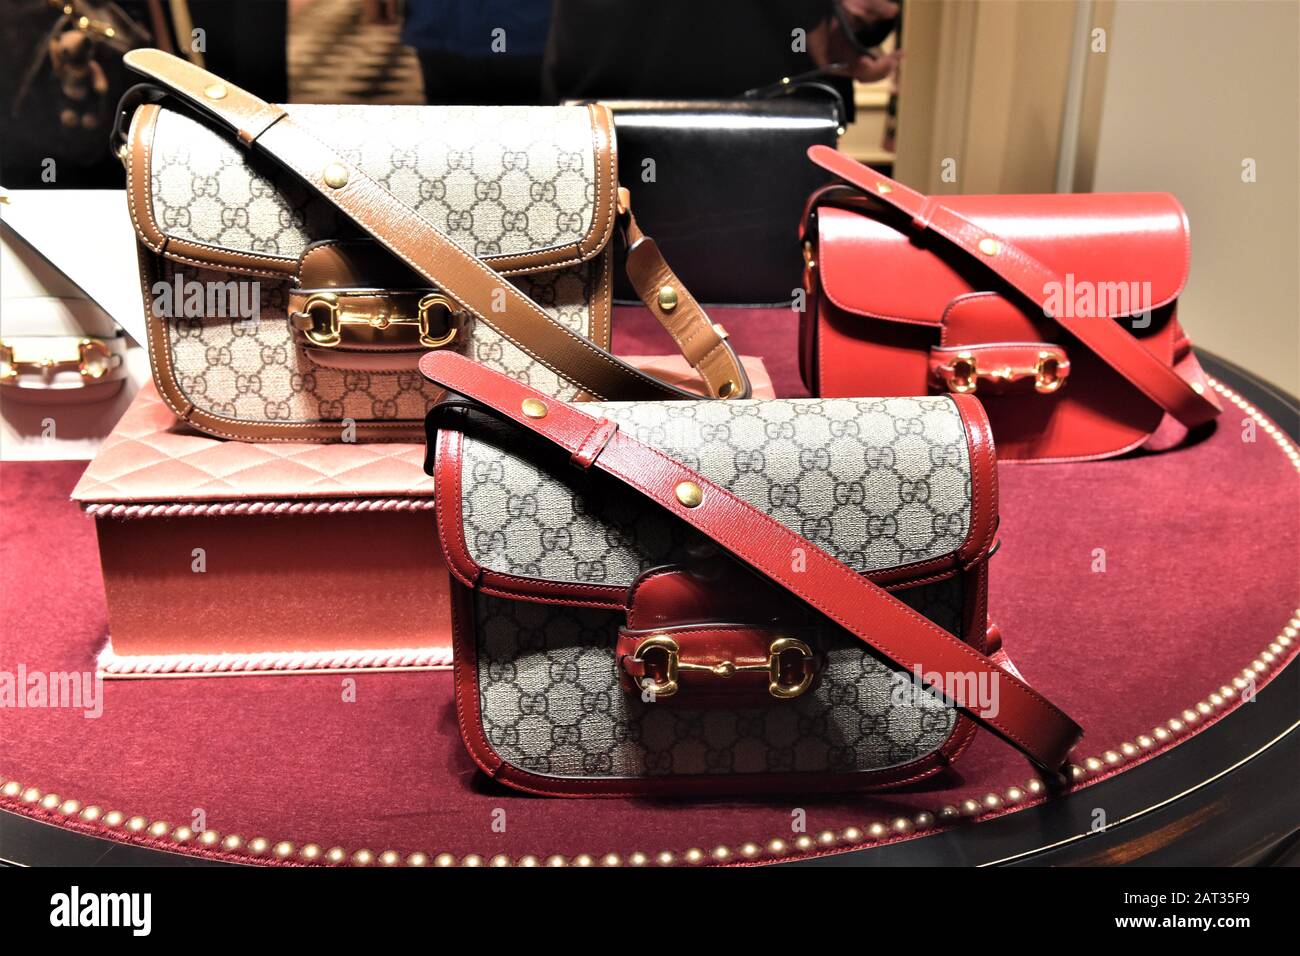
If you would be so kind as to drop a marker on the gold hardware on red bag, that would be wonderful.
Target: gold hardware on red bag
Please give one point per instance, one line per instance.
(962, 373)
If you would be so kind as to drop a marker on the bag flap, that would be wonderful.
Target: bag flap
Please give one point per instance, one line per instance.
(1125, 252)
(528, 188)
(882, 484)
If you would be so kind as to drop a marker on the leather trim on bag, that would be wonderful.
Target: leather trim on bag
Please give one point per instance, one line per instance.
(447, 498)
(602, 302)
(139, 188)
(983, 480)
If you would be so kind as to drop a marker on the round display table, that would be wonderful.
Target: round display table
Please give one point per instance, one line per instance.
(1154, 597)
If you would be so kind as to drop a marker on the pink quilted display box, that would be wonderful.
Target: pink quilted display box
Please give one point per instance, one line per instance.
(224, 557)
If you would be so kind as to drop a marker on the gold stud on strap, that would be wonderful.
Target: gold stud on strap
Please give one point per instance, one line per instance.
(335, 176)
(990, 247)
(534, 408)
(689, 494)
(215, 91)
(667, 298)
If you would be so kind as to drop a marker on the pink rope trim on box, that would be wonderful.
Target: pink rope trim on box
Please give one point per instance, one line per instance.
(175, 510)
(112, 664)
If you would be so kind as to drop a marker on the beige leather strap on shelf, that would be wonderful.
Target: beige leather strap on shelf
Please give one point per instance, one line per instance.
(461, 275)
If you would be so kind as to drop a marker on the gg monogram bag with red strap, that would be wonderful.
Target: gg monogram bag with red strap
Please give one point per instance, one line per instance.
(686, 597)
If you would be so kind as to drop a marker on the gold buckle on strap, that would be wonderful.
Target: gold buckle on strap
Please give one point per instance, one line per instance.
(325, 315)
(662, 644)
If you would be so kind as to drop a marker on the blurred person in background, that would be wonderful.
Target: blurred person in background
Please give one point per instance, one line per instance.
(686, 49)
(485, 52)
(531, 51)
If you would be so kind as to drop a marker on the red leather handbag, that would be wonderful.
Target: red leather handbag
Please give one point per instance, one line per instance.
(1057, 311)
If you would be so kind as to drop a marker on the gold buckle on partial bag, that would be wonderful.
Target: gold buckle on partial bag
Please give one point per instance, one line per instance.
(673, 666)
(92, 361)
(324, 316)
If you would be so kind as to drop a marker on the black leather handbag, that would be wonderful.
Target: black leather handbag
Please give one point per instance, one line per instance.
(721, 185)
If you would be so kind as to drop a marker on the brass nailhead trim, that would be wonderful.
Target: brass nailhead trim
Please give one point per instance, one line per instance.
(689, 494)
(215, 91)
(335, 176)
(667, 298)
(990, 247)
(533, 408)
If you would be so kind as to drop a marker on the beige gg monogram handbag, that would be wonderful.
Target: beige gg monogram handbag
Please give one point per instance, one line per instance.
(297, 261)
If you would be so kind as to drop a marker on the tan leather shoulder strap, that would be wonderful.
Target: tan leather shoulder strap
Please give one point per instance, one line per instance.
(702, 341)
(431, 254)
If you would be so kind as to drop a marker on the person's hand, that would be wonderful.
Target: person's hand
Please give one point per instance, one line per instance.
(829, 47)
(867, 69)
(869, 11)
(379, 11)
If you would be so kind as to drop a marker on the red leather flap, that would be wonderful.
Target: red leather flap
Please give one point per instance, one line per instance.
(1119, 253)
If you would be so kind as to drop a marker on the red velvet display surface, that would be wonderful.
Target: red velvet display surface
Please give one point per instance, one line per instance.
(1199, 547)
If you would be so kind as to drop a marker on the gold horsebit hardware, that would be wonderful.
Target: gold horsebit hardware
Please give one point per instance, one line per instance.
(963, 373)
(93, 361)
(673, 666)
(324, 316)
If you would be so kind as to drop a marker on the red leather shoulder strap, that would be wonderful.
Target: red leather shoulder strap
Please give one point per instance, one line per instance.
(1024, 718)
(1115, 346)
